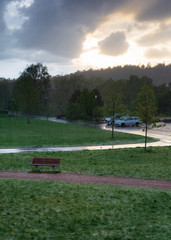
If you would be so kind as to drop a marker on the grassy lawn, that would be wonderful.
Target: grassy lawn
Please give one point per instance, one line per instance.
(64, 211)
(17, 133)
(154, 164)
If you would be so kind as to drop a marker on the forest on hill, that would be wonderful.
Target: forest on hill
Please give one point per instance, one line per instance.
(68, 95)
(160, 73)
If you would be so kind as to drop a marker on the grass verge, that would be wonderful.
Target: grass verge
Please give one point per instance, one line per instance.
(51, 210)
(153, 164)
(17, 133)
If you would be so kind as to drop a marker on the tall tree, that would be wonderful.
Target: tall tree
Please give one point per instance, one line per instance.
(82, 105)
(43, 78)
(6, 87)
(74, 97)
(96, 95)
(31, 90)
(87, 104)
(133, 86)
(113, 103)
(146, 108)
(98, 104)
(26, 90)
(163, 98)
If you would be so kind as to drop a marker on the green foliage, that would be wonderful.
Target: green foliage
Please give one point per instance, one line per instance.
(43, 79)
(6, 87)
(75, 96)
(146, 105)
(73, 111)
(87, 103)
(53, 210)
(26, 90)
(31, 90)
(98, 98)
(55, 100)
(63, 87)
(60, 89)
(84, 105)
(12, 106)
(133, 86)
(164, 102)
(114, 102)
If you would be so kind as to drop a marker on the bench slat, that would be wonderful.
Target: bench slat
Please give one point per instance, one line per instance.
(50, 161)
(51, 165)
(53, 162)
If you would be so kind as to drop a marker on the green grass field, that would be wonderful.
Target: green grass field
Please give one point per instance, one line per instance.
(45, 210)
(17, 133)
(64, 211)
(154, 164)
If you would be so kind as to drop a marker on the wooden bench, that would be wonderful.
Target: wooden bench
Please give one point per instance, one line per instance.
(52, 162)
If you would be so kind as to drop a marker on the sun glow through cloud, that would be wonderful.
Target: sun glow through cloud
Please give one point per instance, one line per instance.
(135, 54)
(73, 35)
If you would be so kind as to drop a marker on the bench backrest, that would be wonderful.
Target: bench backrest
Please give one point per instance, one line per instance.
(46, 161)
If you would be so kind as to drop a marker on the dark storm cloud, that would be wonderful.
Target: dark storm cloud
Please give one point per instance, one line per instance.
(2, 9)
(155, 10)
(5, 37)
(60, 26)
(114, 45)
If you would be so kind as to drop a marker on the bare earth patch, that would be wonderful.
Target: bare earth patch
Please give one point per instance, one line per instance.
(88, 179)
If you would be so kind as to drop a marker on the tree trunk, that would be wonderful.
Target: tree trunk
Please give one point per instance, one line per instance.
(28, 118)
(146, 126)
(112, 129)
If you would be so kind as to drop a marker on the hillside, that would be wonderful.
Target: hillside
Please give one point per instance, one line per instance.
(160, 74)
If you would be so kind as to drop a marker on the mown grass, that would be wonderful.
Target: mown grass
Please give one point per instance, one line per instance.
(153, 164)
(64, 211)
(17, 133)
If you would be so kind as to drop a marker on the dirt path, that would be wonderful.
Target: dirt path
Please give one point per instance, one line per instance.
(88, 179)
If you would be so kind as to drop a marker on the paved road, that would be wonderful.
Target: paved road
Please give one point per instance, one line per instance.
(163, 134)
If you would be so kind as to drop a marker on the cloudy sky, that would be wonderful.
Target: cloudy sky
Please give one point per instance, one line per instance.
(71, 35)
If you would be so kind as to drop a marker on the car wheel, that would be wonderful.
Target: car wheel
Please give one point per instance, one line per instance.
(122, 124)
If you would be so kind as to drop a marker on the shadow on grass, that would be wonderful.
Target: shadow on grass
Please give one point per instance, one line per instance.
(44, 171)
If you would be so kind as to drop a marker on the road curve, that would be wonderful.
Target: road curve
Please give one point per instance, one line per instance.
(163, 134)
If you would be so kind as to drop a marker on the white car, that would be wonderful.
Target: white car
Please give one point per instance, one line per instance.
(127, 121)
(108, 120)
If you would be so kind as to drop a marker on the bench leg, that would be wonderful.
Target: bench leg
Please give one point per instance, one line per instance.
(53, 168)
(36, 168)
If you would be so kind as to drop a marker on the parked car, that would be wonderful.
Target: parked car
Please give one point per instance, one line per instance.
(108, 120)
(127, 121)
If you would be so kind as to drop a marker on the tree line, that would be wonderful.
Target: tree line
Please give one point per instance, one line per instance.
(160, 73)
(75, 96)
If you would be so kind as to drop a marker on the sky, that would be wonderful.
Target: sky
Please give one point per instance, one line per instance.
(72, 35)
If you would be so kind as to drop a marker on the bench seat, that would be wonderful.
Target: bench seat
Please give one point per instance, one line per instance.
(52, 162)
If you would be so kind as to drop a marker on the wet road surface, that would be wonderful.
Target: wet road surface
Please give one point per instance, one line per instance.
(163, 134)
